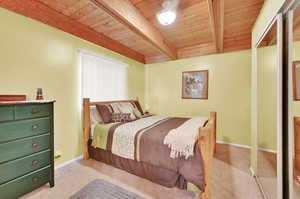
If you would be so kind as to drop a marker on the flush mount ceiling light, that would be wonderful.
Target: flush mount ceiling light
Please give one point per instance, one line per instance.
(166, 17)
(168, 13)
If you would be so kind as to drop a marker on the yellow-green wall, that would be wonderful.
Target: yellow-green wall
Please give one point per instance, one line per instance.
(229, 92)
(267, 97)
(34, 55)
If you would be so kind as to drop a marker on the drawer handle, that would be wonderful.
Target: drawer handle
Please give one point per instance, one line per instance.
(35, 127)
(34, 111)
(34, 162)
(34, 145)
(35, 179)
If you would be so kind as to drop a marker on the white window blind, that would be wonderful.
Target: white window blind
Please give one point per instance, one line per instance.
(102, 79)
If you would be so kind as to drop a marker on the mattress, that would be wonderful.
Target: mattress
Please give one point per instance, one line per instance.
(145, 155)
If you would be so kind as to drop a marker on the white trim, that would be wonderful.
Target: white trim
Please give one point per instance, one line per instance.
(68, 162)
(279, 105)
(277, 19)
(291, 131)
(232, 144)
(267, 150)
(254, 106)
(246, 146)
(105, 58)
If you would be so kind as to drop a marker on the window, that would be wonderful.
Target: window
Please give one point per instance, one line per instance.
(102, 78)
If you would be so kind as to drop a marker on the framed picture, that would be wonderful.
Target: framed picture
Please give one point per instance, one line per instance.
(195, 84)
(296, 80)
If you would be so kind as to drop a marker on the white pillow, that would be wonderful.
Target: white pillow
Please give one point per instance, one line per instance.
(95, 118)
(116, 107)
(126, 107)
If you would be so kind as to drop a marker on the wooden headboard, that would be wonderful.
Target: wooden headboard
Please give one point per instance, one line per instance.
(87, 120)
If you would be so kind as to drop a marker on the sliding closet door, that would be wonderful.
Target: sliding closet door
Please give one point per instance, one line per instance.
(294, 105)
(269, 74)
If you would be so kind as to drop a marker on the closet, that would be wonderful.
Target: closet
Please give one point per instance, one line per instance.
(293, 53)
(277, 139)
(269, 112)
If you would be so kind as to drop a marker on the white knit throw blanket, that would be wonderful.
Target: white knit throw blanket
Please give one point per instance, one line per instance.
(182, 140)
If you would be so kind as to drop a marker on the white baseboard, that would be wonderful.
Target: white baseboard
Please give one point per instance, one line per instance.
(246, 146)
(267, 150)
(232, 144)
(68, 162)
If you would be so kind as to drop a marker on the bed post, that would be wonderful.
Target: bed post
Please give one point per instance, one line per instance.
(86, 127)
(213, 115)
(207, 144)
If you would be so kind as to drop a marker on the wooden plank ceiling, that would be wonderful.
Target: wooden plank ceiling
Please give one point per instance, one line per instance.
(130, 27)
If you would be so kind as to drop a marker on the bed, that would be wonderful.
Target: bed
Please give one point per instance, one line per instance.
(145, 154)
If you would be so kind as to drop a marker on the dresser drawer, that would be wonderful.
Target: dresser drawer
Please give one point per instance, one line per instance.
(21, 129)
(25, 184)
(6, 113)
(32, 111)
(19, 167)
(24, 147)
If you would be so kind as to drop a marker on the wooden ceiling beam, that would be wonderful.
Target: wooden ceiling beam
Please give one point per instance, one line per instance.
(127, 14)
(39, 11)
(219, 18)
(212, 21)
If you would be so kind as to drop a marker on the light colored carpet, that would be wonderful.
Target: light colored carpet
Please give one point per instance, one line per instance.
(103, 189)
(267, 173)
(296, 190)
(296, 184)
(231, 179)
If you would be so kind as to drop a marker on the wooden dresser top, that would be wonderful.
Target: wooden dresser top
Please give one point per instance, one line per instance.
(26, 102)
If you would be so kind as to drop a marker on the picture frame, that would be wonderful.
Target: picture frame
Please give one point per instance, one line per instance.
(195, 84)
(296, 80)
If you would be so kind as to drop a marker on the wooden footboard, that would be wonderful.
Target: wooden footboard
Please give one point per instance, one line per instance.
(206, 141)
(207, 145)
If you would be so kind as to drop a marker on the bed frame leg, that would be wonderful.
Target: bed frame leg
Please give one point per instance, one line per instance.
(213, 115)
(86, 128)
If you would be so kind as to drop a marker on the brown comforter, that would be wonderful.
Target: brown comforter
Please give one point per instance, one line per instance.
(154, 162)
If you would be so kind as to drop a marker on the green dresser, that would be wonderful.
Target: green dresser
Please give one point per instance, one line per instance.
(26, 147)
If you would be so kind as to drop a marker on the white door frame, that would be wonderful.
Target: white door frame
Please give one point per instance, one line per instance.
(278, 20)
